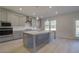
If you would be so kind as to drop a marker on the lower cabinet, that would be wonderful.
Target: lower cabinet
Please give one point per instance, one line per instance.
(15, 35)
(6, 38)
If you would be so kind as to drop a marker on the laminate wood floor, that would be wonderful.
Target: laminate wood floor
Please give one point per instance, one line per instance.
(55, 46)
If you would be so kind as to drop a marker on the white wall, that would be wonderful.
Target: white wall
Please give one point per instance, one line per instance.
(66, 25)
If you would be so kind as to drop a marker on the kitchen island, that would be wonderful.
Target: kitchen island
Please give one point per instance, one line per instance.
(33, 40)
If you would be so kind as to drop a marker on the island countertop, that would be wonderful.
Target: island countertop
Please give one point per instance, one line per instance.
(35, 32)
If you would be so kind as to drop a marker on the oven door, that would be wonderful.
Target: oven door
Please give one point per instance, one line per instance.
(6, 31)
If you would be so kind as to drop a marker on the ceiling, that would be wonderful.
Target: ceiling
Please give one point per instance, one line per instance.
(42, 11)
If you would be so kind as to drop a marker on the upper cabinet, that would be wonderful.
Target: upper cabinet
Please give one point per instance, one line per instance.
(16, 19)
(13, 18)
(21, 20)
(3, 14)
(9, 16)
(0, 14)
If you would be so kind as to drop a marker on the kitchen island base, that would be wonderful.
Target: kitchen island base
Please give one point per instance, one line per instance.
(34, 40)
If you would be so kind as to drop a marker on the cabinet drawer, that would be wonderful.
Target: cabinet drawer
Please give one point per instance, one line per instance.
(6, 38)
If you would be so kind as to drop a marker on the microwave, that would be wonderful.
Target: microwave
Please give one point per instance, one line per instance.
(5, 24)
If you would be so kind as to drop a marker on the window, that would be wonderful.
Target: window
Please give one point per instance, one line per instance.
(77, 28)
(53, 25)
(50, 25)
(47, 25)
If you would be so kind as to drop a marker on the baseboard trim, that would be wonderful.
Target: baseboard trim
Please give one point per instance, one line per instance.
(66, 37)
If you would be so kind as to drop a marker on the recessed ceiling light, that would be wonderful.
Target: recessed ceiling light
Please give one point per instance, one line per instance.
(56, 12)
(37, 17)
(50, 6)
(20, 9)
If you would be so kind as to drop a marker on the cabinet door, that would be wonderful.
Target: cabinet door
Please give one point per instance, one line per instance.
(3, 15)
(16, 19)
(22, 20)
(13, 18)
(9, 16)
(0, 14)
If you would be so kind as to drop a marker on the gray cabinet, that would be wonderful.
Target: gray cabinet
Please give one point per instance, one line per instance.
(17, 34)
(6, 38)
(34, 40)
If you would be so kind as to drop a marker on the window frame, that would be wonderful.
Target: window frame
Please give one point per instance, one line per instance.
(50, 25)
